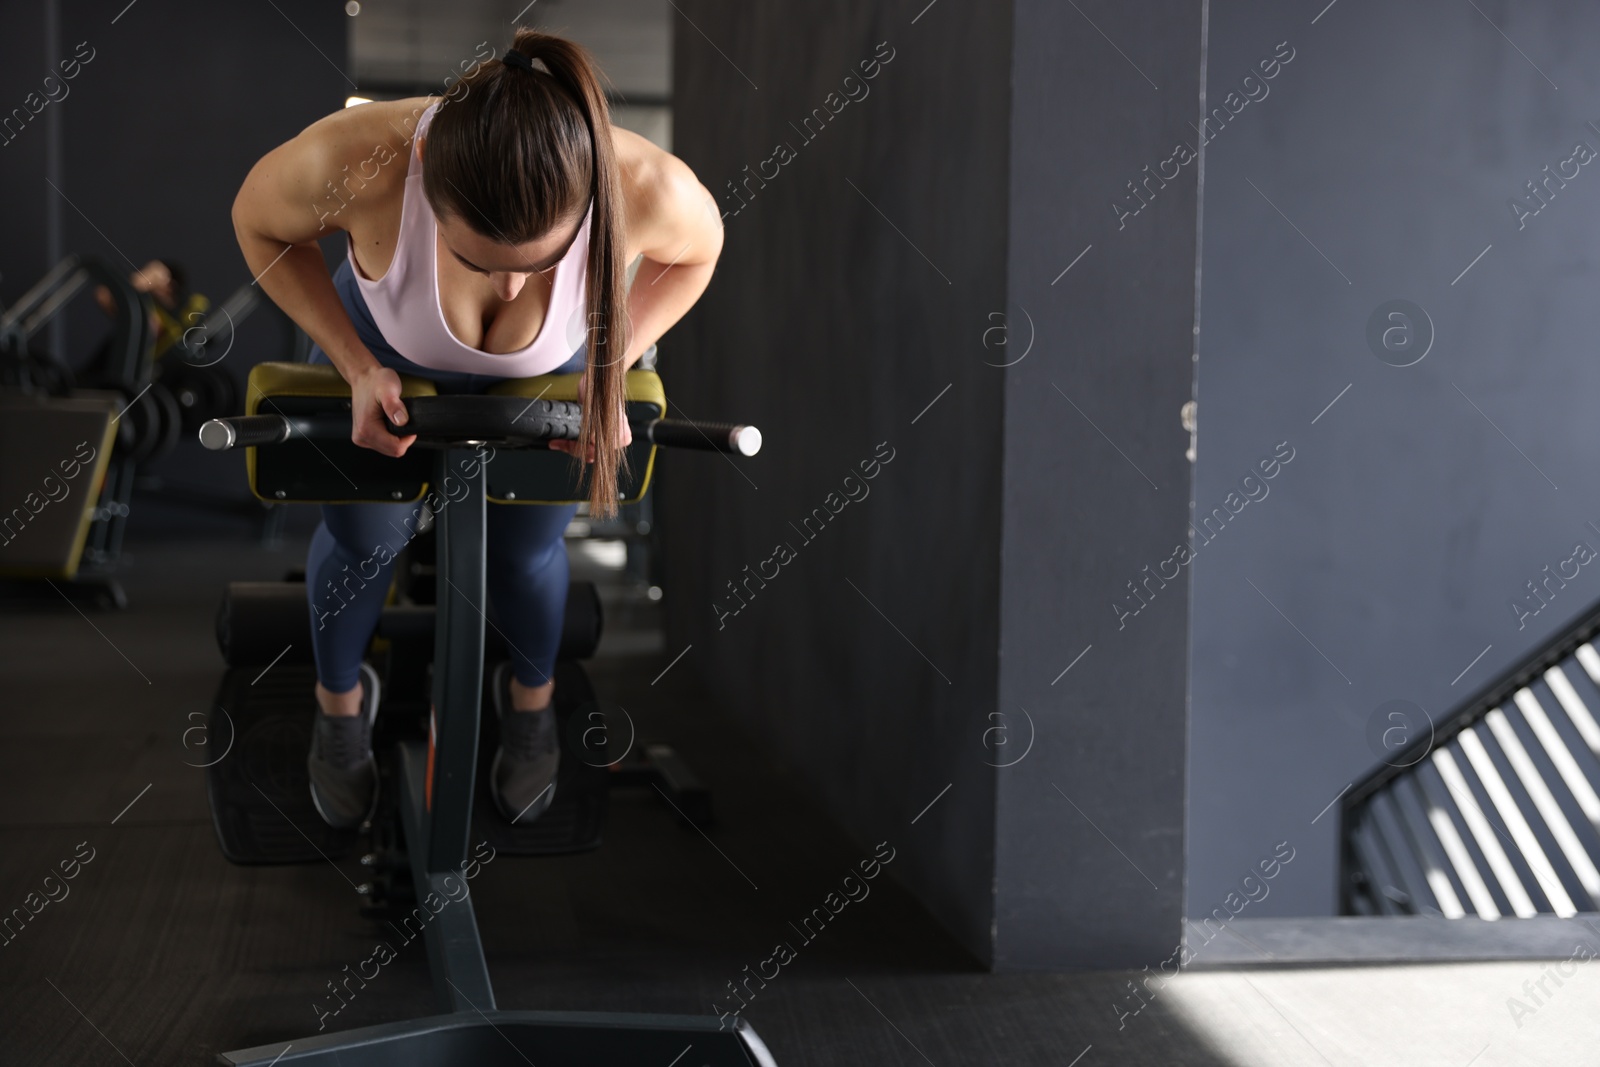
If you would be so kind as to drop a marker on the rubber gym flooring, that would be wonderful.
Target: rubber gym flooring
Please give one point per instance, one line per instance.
(163, 953)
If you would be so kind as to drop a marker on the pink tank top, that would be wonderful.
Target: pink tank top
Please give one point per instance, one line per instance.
(405, 302)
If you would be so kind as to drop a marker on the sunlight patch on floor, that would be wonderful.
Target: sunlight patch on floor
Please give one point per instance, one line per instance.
(1440, 1015)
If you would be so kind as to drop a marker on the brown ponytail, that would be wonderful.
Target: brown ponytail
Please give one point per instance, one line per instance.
(519, 152)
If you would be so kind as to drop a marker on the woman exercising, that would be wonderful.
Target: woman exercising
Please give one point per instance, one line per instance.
(489, 236)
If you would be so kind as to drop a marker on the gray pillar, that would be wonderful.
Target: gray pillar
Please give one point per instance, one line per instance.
(887, 243)
(1089, 827)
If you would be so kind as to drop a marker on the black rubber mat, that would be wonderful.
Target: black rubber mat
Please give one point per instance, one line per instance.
(259, 733)
(576, 817)
(257, 738)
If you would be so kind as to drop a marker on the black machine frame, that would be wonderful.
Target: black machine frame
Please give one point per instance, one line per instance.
(435, 820)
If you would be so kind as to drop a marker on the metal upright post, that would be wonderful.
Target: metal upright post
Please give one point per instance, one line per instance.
(457, 654)
(436, 834)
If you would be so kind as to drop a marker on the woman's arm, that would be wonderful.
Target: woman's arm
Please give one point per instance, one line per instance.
(673, 222)
(276, 220)
(278, 228)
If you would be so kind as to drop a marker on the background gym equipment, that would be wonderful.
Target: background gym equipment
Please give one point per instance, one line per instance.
(57, 452)
(50, 407)
(425, 816)
(34, 371)
(191, 369)
(194, 373)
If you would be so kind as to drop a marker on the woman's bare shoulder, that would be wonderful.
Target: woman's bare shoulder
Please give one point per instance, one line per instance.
(352, 164)
(660, 189)
(351, 135)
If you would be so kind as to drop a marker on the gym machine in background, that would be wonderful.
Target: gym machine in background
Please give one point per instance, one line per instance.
(76, 442)
(70, 440)
(202, 388)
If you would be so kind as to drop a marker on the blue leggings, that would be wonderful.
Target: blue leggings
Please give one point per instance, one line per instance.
(526, 569)
(526, 561)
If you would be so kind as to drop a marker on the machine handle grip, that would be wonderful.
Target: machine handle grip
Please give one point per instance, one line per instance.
(251, 431)
(741, 440)
(245, 431)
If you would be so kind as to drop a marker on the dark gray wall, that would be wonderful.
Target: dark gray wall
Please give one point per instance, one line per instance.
(158, 130)
(23, 48)
(1090, 825)
(830, 330)
(899, 254)
(1406, 523)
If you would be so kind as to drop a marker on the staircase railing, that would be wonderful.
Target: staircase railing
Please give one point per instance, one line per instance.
(1494, 809)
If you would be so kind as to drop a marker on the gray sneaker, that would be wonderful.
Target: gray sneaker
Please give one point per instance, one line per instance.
(523, 774)
(344, 773)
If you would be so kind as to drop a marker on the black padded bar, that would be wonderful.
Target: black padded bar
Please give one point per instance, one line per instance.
(269, 622)
(452, 421)
(503, 420)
